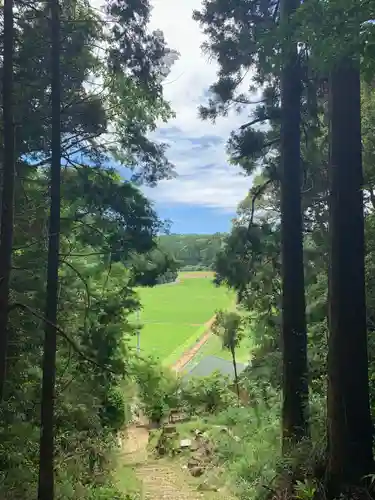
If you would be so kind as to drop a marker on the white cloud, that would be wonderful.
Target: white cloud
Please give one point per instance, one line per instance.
(223, 192)
(204, 176)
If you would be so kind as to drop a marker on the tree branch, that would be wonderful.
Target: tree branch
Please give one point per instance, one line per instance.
(253, 122)
(24, 307)
(258, 191)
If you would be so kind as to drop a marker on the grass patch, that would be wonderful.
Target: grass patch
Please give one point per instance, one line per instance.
(125, 479)
(213, 347)
(248, 457)
(185, 346)
(162, 340)
(174, 315)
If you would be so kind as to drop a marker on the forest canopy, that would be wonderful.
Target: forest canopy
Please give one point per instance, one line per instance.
(192, 252)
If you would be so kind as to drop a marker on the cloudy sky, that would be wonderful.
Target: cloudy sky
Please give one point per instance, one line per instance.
(204, 196)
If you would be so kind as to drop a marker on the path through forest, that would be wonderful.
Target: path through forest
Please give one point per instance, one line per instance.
(160, 479)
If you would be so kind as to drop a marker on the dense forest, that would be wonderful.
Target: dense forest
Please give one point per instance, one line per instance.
(296, 254)
(81, 91)
(81, 88)
(192, 252)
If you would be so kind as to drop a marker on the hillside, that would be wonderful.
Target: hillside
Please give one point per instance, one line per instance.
(193, 251)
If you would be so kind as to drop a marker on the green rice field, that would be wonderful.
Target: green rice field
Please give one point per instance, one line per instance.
(213, 347)
(174, 314)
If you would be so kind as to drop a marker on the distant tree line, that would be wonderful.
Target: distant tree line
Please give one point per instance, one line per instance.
(192, 252)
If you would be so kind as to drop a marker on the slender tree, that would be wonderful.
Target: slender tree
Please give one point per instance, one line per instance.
(46, 464)
(8, 174)
(294, 339)
(228, 327)
(349, 420)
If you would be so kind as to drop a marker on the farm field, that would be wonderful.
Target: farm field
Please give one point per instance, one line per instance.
(174, 314)
(213, 347)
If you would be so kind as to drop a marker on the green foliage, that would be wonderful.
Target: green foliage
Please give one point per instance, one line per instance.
(193, 252)
(158, 388)
(252, 460)
(246, 39)
(154, 268)
(111, 99)
(114, 409)
(248, 455)
(206, 394)
(228, 326)
(106, 493)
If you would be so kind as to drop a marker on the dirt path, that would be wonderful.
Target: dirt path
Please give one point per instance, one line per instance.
(160, 479)
(191, 353)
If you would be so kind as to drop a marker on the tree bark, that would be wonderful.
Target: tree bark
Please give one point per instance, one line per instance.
(294, 338)
(348, 408)
(7, 201)
(233, 351)
(46, 465)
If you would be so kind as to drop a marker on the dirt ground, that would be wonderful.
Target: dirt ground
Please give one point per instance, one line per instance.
(195, 274)
(160, 479)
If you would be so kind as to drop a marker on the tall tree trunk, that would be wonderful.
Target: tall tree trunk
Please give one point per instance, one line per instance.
(46, 465)
(349, 420)
(7, 202)
(233, 351)
(294, 339)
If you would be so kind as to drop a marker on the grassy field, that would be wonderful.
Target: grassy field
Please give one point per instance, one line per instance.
(174, 314)
(213, 347)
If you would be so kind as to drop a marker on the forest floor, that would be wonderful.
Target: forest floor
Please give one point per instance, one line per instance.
(157, 478)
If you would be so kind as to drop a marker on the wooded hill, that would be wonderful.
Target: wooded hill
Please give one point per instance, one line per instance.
(193, 251)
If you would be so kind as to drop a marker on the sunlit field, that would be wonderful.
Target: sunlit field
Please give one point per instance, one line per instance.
(173, 313)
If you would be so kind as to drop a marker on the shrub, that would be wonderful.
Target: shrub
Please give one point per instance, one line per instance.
(158, 388)
(207, 394)
(107, 493)
(114, 408)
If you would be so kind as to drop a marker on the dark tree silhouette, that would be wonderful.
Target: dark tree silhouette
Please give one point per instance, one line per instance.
(7, 202)
(46, 465)
(294, 339)
(349, 420)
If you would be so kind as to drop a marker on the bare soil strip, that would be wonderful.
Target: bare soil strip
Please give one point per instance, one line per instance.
(191, 353)
(196, 274)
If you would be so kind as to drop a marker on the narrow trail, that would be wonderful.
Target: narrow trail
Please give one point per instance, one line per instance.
(160, 479)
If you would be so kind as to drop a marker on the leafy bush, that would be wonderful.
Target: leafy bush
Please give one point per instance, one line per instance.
(207, 394)
(251, 452)
(114, 409)
(107, 493)
(158, 388)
